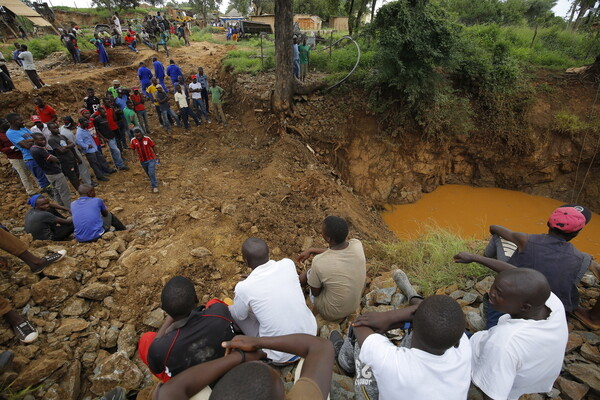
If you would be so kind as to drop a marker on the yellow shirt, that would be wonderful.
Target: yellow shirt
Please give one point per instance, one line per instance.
(152, 90)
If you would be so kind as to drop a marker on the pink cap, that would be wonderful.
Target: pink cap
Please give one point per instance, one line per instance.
(36, 118)
(567, 219)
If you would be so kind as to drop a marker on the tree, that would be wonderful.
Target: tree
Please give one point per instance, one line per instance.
(284, 57)
(538, 12)
(242, 6)
(203, 7)
(116, 4)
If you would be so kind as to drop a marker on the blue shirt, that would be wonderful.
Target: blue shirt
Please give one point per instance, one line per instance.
(18, 136)
(84, 140)
(159, 69)
(296, 53)
(16, 57)
(87, 218)
(122, 101)
(174, 72)
(144, 74)
(203, 79)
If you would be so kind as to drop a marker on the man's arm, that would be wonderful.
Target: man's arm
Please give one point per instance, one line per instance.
(317, 352)
(380, 322)
(26, 143)
(163, 329)
(518, 238)
(194, 379)
(305, 255)
(491, 263)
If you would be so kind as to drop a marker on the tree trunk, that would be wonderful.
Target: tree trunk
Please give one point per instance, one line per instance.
(534, 35)
(350, 17)
(573, 9)
(284, 57)
(373, 10)
(582, 10)
(361, 9)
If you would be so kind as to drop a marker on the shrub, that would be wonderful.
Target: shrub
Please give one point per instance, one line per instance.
(44, 46)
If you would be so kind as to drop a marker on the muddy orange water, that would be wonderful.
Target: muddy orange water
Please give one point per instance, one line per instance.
(469, 211)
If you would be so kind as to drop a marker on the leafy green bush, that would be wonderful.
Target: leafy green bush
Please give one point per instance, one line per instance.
(44, 46)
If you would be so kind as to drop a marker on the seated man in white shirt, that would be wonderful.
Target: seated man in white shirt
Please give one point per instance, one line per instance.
(437, 362)
(524, 353)
(270, 302)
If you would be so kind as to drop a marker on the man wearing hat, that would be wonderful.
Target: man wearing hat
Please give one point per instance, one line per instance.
(549, 253)
(113, 90)
(39, 126)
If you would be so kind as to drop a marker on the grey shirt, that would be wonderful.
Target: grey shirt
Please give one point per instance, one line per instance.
(40, 223)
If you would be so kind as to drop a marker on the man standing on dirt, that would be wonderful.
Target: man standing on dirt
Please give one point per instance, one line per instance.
(90, 149)
(203, 80)
(137, 99)
(66, 130)
(165, 109)
(102, 125)
(64, 150)
(174, 73)
(91, 102)
(145, 76)
(51, 166)
(29, 67)
(15, 157)
(184, 108)
(216, 94)
(22, 139)
(117, 22)
(304, 51)
(6, 83)
(195, 89)
(16, 54)
(145, 149)
(152, 91)
(44, 111)
(159, 72)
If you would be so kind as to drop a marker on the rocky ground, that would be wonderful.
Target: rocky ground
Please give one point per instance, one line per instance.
(218, 186)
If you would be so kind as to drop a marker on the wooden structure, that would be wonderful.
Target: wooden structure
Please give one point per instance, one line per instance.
(10, 9)
(305, 22)
(338, 23)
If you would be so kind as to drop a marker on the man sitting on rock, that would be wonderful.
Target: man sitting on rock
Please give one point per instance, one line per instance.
(551, 254)
(44, 222)
(433, 360)
(270, 302)
(190, 335)
(246, 378)
(91, 218)
(524, 352)
(337, 276)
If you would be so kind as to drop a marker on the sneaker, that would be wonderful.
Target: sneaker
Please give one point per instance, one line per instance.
(209, 121)
(155, 190)
(112, 171)
(125, 168)
(26, 332)
(102, 179)
(335, 337)
(49, 259)
(117, 393)
(95, 184)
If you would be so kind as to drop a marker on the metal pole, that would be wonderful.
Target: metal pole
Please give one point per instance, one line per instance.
(330, 42)
(261, 53)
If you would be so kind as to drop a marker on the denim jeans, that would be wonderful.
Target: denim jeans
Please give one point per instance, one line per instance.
(150, 168)
(116, 153)
(35, 169)
(143, 118)
(165, 117)
(132, 46)
(187, 112)
(200, 108)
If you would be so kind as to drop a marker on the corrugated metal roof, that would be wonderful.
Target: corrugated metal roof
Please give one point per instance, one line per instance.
(19, 8)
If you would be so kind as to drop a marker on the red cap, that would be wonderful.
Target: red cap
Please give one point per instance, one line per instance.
(83, 110)
(135, 88)
(193, 76)
(567, 219)
(36, 118)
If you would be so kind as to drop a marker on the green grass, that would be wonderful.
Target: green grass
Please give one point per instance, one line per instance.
(428, 260)
(248, 61)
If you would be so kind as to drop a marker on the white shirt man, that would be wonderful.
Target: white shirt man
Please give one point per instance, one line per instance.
(181, 99)
(195, 86)
(520, 356)
(27, 58)
(270, 302)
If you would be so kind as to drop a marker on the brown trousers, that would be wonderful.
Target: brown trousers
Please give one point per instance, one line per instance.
(16, 247)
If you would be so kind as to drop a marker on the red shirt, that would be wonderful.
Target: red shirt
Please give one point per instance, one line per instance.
(5, 147)
(46, 114)
(129, 39)
(144, 148)
(137, 99)
(110, 116)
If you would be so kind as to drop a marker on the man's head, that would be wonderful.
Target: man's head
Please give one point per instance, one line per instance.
(116, 84)
(39, 102)
(68, 121)
(102, 111)
(137, 132)
(18, 46)
(90, 92)
(568, 220)
(86, 113)
(154, 81)
(136, 91)
(129, 104)
(154, 59)
(194, 79)
(53, 127)
(180, 79)
(178, 297)
(86, 190)
(15, 120)
(39, 139)
(518, 291)
(83, 122)
(335, 230)
(178, 88)
(250, 381)
(23, 47)
(142, 64)
(171, 61)
(4, 125)
(159, 88)
(37, 121)
(200, 70)
(107, 102)
(255, 252)
(213, 82)
(40, 202)
(438, 324)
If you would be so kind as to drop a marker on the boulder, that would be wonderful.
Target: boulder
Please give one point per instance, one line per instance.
(70, 325)
(95, 291)
(484, 285)
(384, 296)
(66, 268)
(475, 322)
(155, 318)
(468, 298)
(575, 341)
(571, 390)
(590, 352)
(127, 340)
(586, 373)
(457, 294)
(115, 370)
(38, 370)
(398, 299)
(75, 307)
(25, 277)
(200, 252)
(71, 381)
(109, 255)
(21, 297)
(53, 292)
(589, 337)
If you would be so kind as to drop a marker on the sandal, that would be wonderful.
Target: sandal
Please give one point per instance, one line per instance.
(49, 259)
(25, 332)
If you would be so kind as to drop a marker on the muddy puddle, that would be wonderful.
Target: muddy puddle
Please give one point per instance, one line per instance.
(469, 211)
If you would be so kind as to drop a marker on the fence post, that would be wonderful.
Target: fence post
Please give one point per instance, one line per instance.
(330, 42)
(262, 66)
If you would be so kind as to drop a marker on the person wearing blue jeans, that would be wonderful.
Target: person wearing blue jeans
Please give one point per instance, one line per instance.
(195, 89)
(103, 128)
(22, 138)
(186, 112)
(165, 109)
(144, 148)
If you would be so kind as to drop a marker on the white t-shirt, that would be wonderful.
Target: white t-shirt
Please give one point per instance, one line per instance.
(27, 58)
(198, 86)
(117, 22)
(414, 374)
(181, 99)
(273, 293)
(44, 131)
(520, 356)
